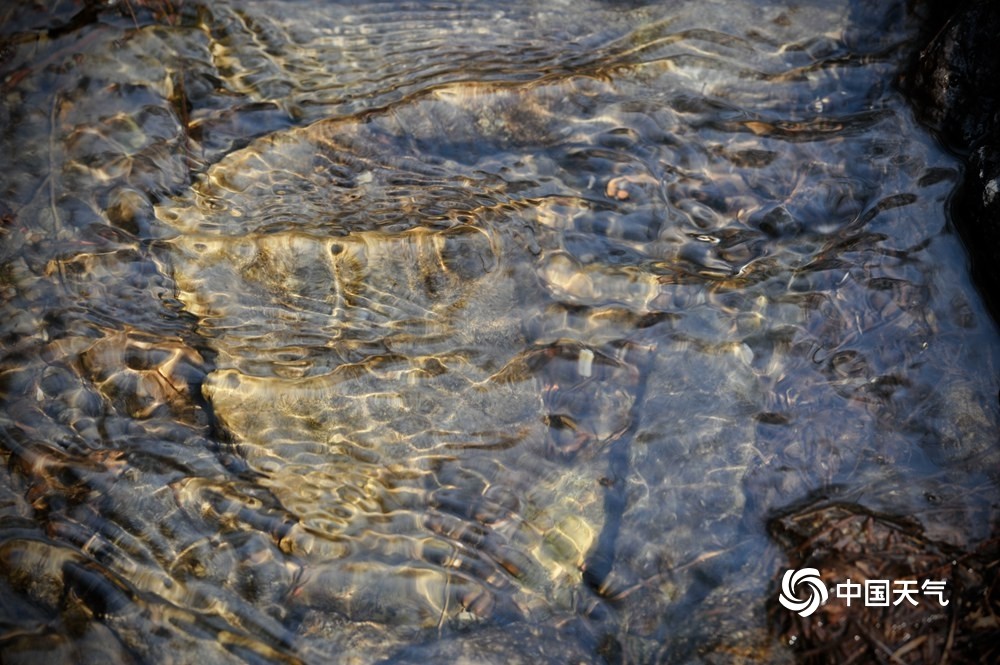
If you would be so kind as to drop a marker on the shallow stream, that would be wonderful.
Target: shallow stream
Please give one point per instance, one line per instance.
(431, 331)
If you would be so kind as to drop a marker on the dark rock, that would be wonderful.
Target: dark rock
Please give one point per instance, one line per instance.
(954, 82)
(975, 210)
(954, 86)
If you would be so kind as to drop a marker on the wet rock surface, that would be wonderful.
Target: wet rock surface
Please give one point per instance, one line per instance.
(954, 85)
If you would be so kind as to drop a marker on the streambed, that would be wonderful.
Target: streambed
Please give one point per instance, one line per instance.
(441, 331)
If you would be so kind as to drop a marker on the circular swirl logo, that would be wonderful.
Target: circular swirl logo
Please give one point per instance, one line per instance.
(810, 578)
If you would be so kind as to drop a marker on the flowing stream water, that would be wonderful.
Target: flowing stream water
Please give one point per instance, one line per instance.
(466, 331)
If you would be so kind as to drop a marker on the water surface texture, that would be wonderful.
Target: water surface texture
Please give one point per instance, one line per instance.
(416, 332)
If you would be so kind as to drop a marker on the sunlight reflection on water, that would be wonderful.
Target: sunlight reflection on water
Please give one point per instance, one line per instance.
(367, 332)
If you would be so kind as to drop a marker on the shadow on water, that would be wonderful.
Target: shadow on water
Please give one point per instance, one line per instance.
(444, 331)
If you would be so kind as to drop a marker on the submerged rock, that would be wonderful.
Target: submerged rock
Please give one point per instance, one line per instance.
(396, 361)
